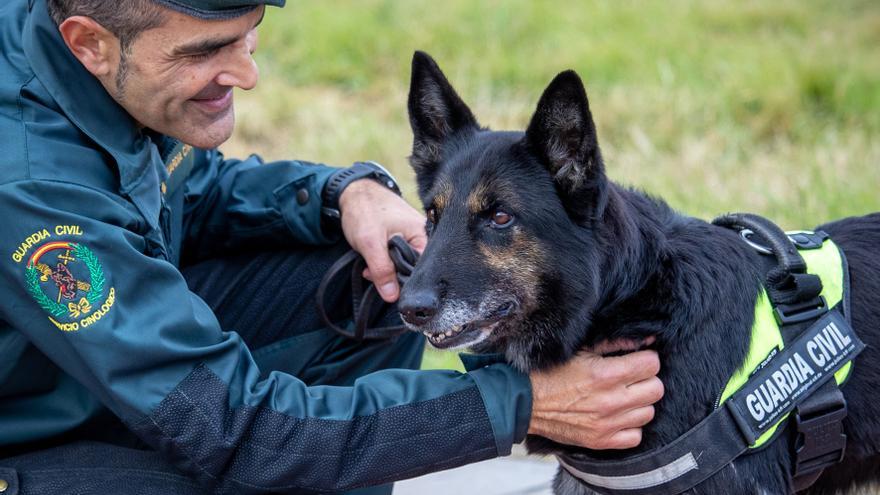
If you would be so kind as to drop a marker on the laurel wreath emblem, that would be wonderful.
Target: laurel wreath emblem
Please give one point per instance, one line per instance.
(96, 279)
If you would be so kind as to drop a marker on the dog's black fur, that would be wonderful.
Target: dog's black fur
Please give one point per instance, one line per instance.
(574, 259)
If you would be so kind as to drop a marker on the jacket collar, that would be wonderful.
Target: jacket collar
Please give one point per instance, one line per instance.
(82, 98)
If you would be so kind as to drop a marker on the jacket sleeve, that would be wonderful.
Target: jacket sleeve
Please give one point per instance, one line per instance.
(232, 202)
(154, 353)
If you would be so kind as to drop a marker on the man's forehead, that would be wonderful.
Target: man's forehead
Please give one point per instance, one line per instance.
(216, 9)
(185, 35)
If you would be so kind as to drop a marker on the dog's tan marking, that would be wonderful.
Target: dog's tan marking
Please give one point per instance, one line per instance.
(483, 195)
(442, 194)
(478, 199)
(522, 261)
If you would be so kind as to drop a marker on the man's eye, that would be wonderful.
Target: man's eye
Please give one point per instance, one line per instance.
(501, 219)
(201, 57)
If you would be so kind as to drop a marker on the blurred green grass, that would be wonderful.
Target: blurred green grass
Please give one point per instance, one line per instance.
(769, 107)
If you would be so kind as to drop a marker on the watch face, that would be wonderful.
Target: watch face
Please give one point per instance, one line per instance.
(381, 174)
(384, 171)
(330, 212)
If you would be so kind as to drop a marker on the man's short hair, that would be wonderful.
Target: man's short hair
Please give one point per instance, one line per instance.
(124, 18)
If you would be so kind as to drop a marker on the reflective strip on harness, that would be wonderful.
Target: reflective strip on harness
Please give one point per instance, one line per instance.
(655, 477)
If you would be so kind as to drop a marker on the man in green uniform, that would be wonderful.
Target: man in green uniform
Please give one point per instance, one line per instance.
(156, 322)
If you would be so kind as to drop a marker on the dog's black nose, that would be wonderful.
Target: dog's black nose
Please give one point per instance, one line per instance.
(418, 307)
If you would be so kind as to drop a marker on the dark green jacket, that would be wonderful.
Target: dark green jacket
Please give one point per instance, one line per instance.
(95, 315)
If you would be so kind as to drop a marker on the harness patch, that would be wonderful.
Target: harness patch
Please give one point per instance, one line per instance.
(795, 373)
(67, 280)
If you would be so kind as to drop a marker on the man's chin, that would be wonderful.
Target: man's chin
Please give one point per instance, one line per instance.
(207, 135)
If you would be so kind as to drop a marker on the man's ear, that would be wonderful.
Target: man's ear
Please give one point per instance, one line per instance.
(436, 113)
(563, 137)
(91, 43)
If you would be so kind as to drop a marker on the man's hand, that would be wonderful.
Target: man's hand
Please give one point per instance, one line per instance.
(596, 402)
(372, 214)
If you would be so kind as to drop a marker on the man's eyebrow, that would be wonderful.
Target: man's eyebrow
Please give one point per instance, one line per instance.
(204, 46)
(208, 45)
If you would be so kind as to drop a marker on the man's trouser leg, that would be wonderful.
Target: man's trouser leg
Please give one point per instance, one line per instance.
(268, 298)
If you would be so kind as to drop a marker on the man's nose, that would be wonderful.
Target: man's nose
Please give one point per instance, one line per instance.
(241, 70)
(418, 307)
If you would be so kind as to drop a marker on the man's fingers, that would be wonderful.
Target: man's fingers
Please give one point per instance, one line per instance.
(632, 397)
(646, 391)
(638, 395)
(419, 242)
(634, 418)
(381, 268)
(624, 439)
(634, 367)
(619, 345)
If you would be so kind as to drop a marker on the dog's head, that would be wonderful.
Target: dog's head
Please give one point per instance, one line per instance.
(502, 210)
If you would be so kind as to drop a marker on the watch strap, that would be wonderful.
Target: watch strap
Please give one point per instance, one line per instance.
(337, 183)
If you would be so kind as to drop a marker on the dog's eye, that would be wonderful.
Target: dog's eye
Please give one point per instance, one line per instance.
(501, 218)
(432, 215)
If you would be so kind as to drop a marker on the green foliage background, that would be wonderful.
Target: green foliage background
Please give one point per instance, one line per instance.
(769, 107)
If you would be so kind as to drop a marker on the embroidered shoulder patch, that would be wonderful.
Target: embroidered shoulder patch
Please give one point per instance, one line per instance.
(67, 281)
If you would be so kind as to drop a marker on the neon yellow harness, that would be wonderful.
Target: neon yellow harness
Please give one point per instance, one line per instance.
(801, 339)
(766, 334)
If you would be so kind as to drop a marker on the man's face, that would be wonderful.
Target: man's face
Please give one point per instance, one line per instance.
(177, 79)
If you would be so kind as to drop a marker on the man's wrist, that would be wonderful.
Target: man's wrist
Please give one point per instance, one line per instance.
(340, 180)
(507, 395)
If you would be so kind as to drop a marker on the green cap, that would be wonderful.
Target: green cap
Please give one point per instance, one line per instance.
(216, 9)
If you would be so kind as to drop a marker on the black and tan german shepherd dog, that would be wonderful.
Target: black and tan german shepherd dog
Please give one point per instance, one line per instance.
(534, 253)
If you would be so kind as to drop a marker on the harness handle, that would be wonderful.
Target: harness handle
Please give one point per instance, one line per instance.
(789, 286)
(784, 251)
(365, 301)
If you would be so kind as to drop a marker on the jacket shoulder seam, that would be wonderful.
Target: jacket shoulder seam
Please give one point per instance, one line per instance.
(24, 131)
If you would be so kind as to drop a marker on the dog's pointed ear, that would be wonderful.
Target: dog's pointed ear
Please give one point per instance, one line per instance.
(435, 113)
(563, 137)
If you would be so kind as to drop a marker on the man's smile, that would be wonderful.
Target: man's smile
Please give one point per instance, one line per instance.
(215, 101)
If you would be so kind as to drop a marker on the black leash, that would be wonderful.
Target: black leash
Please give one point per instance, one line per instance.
(365, 301)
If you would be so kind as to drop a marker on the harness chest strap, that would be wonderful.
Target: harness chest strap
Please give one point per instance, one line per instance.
(773, 382)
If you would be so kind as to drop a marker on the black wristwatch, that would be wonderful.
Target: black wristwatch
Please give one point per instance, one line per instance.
(341, 179)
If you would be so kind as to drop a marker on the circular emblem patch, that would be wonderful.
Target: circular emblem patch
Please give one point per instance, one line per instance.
(67, 281)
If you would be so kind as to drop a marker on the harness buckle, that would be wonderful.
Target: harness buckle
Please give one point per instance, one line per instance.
(820, 440)
(804, 239)
(787, 314)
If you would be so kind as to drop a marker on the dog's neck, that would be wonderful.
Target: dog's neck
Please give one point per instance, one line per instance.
(661, 276)
(630, 231)
(688, 283)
